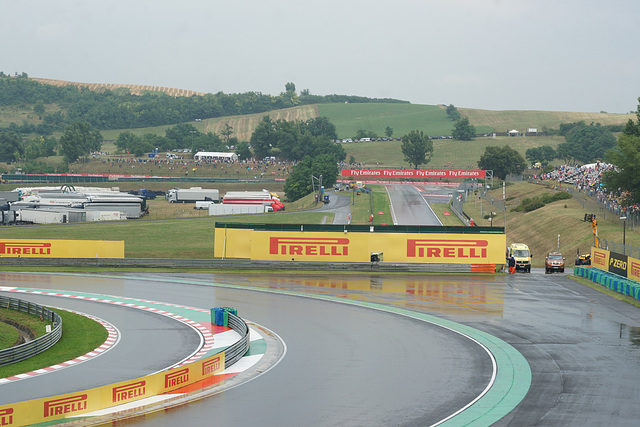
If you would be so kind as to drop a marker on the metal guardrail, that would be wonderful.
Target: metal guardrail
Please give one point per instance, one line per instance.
(240, 348)
(40, 344)
(236, 264)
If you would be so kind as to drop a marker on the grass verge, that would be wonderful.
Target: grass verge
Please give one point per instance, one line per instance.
(598, 287)
(446, 215)
(80, 335)
(32, 322)
(8, 336)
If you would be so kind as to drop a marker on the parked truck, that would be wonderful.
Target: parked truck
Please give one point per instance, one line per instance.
(192, 195)
(232, 209)
(264, 198)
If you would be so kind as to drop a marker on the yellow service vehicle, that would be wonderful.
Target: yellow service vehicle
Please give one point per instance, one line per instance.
(522, 255)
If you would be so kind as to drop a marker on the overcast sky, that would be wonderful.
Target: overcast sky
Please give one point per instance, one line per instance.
(560, 55)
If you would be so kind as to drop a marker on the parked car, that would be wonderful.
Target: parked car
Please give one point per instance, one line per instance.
(554, 262)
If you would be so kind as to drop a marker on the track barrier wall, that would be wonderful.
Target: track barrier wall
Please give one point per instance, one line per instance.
(618, 272)
(609, 280)
(73, 404)
(481, 250)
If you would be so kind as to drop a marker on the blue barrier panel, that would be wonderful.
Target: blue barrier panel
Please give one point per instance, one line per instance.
(609, 280)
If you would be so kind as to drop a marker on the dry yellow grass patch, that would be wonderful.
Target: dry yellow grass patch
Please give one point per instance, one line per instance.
(133, 89)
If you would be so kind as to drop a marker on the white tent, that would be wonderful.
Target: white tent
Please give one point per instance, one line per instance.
(212, 155)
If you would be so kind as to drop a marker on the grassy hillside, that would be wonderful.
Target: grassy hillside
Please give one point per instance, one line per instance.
(243, 126)
(540, 228)
(402, 118)
(446, 152)
(501, 121)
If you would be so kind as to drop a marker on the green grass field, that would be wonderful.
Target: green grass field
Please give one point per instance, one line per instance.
(80, 335)
(447, 153)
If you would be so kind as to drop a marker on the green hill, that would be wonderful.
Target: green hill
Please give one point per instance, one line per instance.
(402, 118)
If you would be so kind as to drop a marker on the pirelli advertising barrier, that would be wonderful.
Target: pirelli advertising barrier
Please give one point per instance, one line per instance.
(615, 263)
(349, 246)
(51, 248)
(70, 405)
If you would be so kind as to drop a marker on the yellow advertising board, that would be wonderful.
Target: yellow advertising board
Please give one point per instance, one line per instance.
(52, 248)
(616, 263)
(600, 258)
(74, 404)
(358, 246)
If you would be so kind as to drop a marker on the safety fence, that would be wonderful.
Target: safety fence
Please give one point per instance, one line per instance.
(612, 281)
(620, 248)
(40, 344)
(240, 348)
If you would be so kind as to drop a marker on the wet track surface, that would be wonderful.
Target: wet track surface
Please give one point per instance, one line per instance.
(410, 206)
(583, 348)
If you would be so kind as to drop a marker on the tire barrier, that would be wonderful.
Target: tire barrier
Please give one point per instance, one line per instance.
(24, 351)
(609, 280)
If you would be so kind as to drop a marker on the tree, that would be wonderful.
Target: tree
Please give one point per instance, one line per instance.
(543, 154)
(127, 141)
(181, 135)
(79, 139)
(632, 128)
(263, 138)
(290, 98)
(388, 131)
(417, 148)
(502, 161)
(10, 146)
(453, 113)
(590, 143)
(226, 132)
(38, 107)
(141, 147)
(299, 182)
(362, 133)
(318, 126)
(463, 130)
(243, 151)
(625, 179)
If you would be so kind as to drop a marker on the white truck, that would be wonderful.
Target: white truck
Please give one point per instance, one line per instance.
(41, 216)
(192, 195)
(263, 198)
(232, 209)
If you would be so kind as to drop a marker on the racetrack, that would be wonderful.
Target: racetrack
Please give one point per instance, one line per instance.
(581, 345)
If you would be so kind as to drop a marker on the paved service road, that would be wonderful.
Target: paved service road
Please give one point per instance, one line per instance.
(409, 207)
(583, 348)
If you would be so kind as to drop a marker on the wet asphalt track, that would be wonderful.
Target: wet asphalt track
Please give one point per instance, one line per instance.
(583, 348)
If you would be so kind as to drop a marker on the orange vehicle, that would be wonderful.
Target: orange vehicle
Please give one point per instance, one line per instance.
(554, 262)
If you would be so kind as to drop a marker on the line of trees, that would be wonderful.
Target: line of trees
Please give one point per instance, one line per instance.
(625, 179)
(119, 109)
